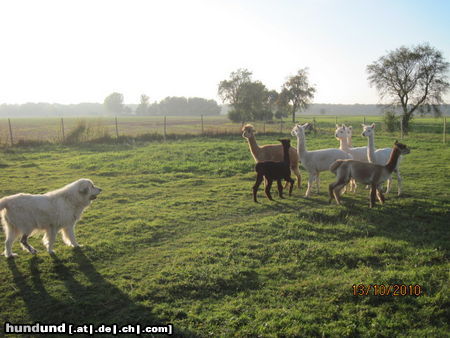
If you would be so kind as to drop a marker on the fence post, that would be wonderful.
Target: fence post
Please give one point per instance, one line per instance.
(165, 127)
(202, 124)
(117, 129)
(444, 136)
(10, 132)
(401, 129)
(364, 120)
(62, 129)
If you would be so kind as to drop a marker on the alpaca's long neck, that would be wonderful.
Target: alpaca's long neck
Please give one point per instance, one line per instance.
(343, 143)
(371, 149)
(286, 147)
(301, 147)
(393, 159)
(349, 141)
(254, 148)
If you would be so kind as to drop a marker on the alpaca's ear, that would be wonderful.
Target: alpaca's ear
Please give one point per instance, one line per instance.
(343, 125)
(337, 125)
(373, 125)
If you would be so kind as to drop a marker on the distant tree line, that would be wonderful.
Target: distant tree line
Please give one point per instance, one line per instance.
(113, 105)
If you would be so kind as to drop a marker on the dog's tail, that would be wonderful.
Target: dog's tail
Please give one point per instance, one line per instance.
(335, 165)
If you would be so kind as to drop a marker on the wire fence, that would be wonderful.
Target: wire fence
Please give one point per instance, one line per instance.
(22, 131)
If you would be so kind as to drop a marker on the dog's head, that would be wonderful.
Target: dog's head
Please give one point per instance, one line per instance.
(87, 189)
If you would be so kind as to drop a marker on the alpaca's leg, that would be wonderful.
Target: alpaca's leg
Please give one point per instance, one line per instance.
(25, 245)
(380, 195)
(311, 178)
(267, 190)
(373, 193)
(399, 182)
(280, 188)
(354, 185)
(388, 184)
(299, 177)
(291, 181)
(259, 179)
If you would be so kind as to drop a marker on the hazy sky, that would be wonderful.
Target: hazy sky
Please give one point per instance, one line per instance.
(81, 51)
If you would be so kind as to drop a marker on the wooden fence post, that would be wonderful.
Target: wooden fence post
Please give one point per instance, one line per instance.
(444, 136)
(165, 127)
(202, 124)
(401, 129)
(62, 130)
(10, 132)
(364, 120)
(117, 129)
(335, 118)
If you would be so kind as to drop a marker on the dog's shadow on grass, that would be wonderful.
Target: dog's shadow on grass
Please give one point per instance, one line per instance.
(74, 292)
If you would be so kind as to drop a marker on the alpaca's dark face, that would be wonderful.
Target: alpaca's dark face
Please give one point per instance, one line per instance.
(402, 147)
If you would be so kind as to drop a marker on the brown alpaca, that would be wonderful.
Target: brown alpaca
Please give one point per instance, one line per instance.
(367, 173)
(274, 171)
(271, 152)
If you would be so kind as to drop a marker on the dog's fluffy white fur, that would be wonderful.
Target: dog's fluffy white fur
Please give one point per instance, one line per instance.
(58, 210)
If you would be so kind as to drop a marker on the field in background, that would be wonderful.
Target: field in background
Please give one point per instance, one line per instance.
(50, 129)
(176, 238)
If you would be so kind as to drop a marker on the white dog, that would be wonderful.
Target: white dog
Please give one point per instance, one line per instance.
(58, 210)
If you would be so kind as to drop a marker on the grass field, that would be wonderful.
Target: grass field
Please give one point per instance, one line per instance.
(176, 238)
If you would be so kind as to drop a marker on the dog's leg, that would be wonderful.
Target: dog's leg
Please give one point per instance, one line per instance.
(11, 236)
(49, 238)
(8, 248)
(25, 245)
(68, 237)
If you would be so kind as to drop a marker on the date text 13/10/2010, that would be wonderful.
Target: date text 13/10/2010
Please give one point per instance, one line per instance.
(387, 290)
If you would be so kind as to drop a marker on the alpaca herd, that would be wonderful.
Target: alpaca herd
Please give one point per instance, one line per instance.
(366, 165)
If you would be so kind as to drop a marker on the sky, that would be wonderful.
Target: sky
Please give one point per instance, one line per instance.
(81, 51)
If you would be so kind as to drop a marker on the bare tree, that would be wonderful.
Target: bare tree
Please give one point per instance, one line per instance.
(413, 78)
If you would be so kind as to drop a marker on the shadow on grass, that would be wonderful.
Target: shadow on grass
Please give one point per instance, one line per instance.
(93, 301)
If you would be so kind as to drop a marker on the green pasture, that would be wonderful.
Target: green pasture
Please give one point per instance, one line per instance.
(176, 238)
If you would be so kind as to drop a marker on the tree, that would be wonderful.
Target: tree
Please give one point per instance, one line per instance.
(114, 103)
(249, 100)
(231, 92)
(413, 78)
(142, 108)
(296, 92)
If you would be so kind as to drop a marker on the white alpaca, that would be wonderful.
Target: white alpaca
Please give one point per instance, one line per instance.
(317, 160)
(381, 156)
(349, 130)
(358, 153)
